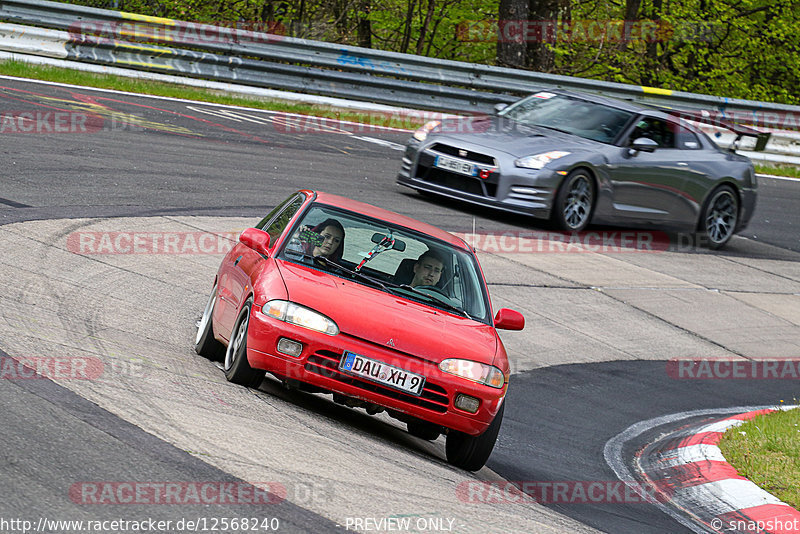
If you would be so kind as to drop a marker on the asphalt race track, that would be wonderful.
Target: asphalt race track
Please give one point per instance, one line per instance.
(592, 361)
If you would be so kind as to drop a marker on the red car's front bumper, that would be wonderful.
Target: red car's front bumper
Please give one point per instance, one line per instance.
(319, 363)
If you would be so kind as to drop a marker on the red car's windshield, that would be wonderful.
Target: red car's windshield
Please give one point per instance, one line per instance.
(406, 263)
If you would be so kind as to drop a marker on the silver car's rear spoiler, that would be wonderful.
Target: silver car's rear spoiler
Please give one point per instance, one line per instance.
(762, 138)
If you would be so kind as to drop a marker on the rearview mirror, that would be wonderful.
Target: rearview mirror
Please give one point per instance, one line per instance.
(256, 239)
(507, 319)
(399, 246)
(500, 107)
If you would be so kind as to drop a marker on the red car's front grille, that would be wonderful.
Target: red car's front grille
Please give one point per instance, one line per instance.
(326, 363)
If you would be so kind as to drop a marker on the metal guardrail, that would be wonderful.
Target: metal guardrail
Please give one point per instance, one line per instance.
(278, 62)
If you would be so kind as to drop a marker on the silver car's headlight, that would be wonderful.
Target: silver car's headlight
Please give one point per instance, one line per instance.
(300, 316)
(538, 161)
(475, 371)
(422, 132)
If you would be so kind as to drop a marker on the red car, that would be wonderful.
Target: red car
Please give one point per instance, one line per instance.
(382, 311)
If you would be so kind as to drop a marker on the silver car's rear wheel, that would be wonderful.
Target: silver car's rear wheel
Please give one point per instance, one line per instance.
(574, 202)
(720, 217)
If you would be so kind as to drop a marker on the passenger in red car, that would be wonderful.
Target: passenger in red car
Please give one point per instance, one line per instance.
(427, 270)
(325, 239)
(332, 233)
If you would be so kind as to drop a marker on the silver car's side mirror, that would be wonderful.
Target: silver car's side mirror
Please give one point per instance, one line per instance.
(500, 107)
(642, 144)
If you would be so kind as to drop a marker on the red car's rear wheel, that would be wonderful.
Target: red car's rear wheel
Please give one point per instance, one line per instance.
(204, 342)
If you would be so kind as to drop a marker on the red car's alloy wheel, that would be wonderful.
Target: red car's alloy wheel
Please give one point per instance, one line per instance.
(237, 368)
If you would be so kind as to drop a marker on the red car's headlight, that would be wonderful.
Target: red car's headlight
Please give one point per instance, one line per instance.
(475, 371)
(300, 316)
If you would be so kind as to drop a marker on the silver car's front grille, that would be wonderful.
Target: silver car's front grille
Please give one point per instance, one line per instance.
(469, 155)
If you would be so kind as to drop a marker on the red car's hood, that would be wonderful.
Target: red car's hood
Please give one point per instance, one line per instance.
(374, 315)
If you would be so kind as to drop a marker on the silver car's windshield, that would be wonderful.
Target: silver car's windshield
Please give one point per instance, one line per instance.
(570, 115)
(391, 258)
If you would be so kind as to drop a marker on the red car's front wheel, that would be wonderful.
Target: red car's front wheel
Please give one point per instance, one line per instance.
(471, 452)
(237, 368)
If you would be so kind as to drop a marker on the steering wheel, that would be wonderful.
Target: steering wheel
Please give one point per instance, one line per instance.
(434, 289)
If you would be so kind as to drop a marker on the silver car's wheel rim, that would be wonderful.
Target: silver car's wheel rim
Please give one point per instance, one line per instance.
(721, 218)
(236, 343)
(578, 203)
(201, 327)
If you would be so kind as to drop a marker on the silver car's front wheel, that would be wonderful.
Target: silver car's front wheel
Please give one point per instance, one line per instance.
(720, 216)
(574, 203)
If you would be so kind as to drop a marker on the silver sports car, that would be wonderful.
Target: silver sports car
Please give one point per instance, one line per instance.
(580, 159)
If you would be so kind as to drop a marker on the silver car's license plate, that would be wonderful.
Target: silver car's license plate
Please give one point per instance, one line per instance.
(454, 165)
(376, 371)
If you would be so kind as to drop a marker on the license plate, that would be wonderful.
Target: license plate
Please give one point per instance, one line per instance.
(392, 376)
(454, 165)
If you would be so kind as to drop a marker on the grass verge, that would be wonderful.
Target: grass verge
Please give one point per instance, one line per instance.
(778, 170)
(137, 85)
(766, 450)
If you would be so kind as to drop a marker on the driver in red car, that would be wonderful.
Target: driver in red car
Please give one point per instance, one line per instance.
(428, 269)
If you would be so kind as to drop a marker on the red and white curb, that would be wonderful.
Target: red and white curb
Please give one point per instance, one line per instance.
(691, 480)
(690, 473)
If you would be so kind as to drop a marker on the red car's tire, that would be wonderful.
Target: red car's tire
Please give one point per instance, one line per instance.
(471, 452)
(204, 343)
(236, 367)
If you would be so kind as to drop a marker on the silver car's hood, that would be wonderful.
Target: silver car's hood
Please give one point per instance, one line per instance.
(496, 134)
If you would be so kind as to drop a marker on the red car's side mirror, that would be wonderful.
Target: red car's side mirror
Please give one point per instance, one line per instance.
(256, 239)
(507, 319)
